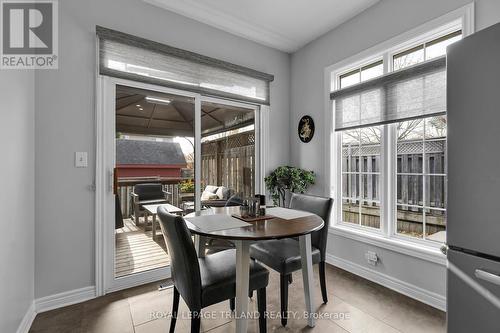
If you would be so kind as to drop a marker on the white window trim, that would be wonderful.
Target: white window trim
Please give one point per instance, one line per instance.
(106, 282)
(386, 236)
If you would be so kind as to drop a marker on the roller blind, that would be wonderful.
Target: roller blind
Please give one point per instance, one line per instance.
(125, 56)
(414, 92)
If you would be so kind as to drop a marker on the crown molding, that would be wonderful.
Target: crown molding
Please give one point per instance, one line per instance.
(249, 30)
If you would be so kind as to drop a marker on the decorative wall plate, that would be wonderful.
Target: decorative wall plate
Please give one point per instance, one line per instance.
(306, 129)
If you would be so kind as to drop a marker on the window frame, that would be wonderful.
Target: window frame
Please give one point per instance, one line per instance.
(339, 195)
(387, 236)
(393, 183)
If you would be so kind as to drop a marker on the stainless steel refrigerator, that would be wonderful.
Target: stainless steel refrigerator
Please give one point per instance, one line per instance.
(473, 236)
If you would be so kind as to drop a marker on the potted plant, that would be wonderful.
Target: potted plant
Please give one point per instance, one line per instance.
(286, 179)
(187, 186)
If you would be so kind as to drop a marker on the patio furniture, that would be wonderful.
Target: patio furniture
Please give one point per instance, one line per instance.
(205, 281)
(216, 196)
(153, 209)
(147, 194)
(284, 255)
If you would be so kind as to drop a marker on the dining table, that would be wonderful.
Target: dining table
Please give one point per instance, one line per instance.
(279, 223)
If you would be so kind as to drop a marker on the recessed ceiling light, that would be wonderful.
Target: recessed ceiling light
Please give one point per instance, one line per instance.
(138, 105)
(141, 109)
(157, 100)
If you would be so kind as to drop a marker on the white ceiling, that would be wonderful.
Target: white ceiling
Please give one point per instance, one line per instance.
(286, 25)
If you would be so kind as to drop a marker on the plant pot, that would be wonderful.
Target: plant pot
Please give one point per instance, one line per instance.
(288, 197)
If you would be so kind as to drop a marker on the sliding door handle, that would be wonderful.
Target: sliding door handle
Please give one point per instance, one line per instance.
(487, 276)
(111, 181)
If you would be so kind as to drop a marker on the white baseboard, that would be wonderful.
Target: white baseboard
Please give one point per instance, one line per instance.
(402, 287)
(28, 318)
(64, 299)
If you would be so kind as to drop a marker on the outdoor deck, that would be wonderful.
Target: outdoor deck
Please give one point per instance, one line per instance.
(136, 251)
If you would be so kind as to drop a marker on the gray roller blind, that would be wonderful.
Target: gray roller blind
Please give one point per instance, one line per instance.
(413, 92)
(130, 57)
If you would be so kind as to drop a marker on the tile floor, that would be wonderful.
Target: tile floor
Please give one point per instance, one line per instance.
(355, 305)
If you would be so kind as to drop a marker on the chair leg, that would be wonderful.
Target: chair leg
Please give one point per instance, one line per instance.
(175, 309)
(195, 321)
(261, 305)
(322, 281)
(284, 298)
(232, 305)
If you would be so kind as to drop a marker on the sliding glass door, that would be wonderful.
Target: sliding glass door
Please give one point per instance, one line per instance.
(154, 166)
(229, 157)
(169, 148)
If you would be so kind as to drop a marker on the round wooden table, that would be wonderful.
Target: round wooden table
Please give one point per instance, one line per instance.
(242, 237)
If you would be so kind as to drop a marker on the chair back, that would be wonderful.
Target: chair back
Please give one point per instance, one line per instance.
(234, 200)
(320, 206)
(183, 258)
(149, 191)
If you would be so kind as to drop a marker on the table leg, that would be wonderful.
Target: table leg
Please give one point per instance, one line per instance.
(199, 245)
(154, 226)
(242, 284)
(307, 276)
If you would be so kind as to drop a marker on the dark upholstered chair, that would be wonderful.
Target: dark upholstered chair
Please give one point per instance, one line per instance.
(147, 194)
(205, 281)
(234, 200)
(283, 255)
(216, 245)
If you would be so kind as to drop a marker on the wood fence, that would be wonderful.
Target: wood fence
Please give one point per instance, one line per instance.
(360, 184)
(230, 162)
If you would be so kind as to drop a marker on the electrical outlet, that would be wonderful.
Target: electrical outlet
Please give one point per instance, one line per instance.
(371, 258)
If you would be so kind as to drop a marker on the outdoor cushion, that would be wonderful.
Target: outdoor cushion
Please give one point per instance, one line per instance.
(152, 202)
(211, 188)
(222, 192)
(208, 196)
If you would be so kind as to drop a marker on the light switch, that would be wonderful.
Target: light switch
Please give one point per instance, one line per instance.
(81, 159)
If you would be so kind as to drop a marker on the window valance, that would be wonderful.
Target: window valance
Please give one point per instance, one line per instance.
(125, 56)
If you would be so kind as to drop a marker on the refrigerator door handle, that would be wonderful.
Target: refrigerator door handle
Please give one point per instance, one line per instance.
(487, 276)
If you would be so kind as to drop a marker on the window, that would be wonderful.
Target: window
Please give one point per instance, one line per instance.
(390, 141)
(361, 74)
(425, 51)
(361, 176)
(421, 178)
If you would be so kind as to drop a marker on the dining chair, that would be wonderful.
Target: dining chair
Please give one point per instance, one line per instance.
(283, 255)
(216, 245)
(205, 281)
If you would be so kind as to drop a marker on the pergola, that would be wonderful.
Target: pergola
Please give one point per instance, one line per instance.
(144, 112)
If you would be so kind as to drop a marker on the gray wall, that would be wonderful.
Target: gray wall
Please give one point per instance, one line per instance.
(16, 197)
(65, 123)
(379, 23)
